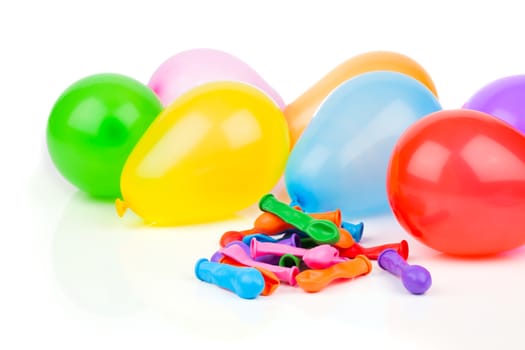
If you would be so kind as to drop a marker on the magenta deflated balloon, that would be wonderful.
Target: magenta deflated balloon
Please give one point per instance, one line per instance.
(192, 68)
(503, 99)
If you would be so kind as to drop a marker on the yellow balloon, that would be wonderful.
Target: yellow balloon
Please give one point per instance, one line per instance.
(215, 151)
(300, 112)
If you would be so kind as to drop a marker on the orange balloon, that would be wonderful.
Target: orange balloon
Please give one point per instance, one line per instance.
(300, 112)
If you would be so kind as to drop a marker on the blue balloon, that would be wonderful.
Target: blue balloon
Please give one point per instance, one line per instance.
(341, 160)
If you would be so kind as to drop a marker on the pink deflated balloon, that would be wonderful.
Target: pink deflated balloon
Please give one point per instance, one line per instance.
(192, 68)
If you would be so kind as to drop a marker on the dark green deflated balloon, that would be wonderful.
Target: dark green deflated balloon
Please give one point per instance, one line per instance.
(94, 126)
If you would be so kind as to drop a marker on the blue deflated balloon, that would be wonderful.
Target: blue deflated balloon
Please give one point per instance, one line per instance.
(341, 159)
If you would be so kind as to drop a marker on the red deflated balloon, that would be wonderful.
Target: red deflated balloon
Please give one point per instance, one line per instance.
(456, 182)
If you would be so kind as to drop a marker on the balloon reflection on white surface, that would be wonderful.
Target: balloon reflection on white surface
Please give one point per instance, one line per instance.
(86, 253)
(159, 264)
(114, 267)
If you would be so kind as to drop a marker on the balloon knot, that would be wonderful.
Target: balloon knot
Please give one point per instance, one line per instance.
(121, 207)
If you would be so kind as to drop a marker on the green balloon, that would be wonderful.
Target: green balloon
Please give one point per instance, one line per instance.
(94, 126)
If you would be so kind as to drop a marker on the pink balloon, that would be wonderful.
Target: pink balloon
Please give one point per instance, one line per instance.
(192, 68)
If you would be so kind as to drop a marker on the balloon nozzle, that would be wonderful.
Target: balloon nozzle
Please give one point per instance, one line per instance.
(121, 207)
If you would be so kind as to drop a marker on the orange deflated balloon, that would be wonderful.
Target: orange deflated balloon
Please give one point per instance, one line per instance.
(300, 112)
(216, 150)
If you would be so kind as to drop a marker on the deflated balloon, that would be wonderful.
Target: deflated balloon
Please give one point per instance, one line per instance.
(340, 161)
(215, 151)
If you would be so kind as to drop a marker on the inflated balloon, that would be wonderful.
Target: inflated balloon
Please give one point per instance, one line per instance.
(93, 127)
(456, 182)
(300, 112)
(192, 68)
(213, 152)
(342, 157)
(504, 99)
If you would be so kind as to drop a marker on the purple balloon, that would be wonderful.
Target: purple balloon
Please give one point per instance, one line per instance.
(504, 99)
(415, 278)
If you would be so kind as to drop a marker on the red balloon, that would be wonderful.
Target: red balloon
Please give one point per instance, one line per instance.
(456, 182)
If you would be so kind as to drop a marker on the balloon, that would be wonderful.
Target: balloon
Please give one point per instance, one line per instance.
(216, 150)
(192, 68)
(504, 99)
(93, 127)
(300, 112)
(342, 157)
(456, 182)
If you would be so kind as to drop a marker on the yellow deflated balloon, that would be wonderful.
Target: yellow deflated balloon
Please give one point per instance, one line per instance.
(216, 150)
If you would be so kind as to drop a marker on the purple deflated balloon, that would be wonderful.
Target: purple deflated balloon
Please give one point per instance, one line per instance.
(415, 278)
(503, 99)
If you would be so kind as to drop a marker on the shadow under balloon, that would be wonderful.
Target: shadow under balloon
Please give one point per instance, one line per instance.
(514, 255)
(115, 267)
(159, 264)
(87, 261)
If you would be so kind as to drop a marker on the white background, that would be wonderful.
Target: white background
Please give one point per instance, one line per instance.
(74, 276)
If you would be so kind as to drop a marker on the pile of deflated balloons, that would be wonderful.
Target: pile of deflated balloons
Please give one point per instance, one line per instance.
(208, 136)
